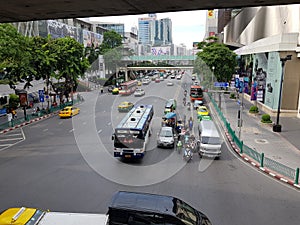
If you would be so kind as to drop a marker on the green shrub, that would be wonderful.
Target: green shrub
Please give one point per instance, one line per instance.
(14, 101)
(253, 109)
(232, 95)
(266, 118)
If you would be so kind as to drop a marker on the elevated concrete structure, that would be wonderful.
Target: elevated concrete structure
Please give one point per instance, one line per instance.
(20, 10)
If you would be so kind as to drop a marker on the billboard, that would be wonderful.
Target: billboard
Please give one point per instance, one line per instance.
(160, 50)
(210, 14)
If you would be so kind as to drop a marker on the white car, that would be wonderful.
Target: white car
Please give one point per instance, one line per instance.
(146, 81)
(170, 83)
(139, 92)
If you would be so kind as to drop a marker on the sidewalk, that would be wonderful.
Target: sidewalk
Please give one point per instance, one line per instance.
(283, 147)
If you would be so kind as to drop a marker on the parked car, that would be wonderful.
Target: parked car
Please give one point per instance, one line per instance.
(157, 80)
(125, 106)
(139, 92)
(165, 137)
(68, 111)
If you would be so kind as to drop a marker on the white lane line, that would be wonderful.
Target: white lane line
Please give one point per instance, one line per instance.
(109, 123)
(8, 135)
(99, 131)
(11, 139)
(45, 129)
(84, 123)
(71, 130)
(5, 145)
(60, 122)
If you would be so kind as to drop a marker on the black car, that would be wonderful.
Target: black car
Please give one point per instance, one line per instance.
(136, 208)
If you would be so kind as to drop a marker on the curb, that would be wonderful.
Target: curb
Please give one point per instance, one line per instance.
(257, 165)
(27, 122)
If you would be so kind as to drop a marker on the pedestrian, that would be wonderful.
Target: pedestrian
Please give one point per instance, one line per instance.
(179, 146)
(14, 114)
(190, 123)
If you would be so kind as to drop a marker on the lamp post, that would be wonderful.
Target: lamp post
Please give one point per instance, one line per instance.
(212, 77)
(277, 126)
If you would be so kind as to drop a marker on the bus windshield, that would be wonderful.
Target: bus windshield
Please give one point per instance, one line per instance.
(128, 139)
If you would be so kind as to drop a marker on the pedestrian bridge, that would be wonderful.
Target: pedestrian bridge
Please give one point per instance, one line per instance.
(161, 58)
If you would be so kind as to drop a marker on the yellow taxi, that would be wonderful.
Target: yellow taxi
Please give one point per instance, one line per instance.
(68, 111)
(202, 111)
(115, 91)
(125, 106)
(19, 216)
(139, 83)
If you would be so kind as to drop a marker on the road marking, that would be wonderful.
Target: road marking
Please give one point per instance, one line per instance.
(11, 139)
(12, 135)
(109, 124)
(99, 131)
(60, 122)
(45, 129)
(5, 145)
(84, 123)
(71, 130)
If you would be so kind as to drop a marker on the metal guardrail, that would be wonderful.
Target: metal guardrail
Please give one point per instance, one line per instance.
(258, 157)
(29, 117)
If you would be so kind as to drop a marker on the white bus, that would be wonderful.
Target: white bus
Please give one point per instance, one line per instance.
(133, 132)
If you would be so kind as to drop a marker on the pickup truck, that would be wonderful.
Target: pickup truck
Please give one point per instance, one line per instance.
(31, 216)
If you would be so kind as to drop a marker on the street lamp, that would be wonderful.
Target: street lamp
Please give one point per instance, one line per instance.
(212, 77)
(277, 126)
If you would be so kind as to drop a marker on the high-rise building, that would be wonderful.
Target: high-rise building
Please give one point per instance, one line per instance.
(117, 27)
(146, 32)
(155, 32)
(163, 32)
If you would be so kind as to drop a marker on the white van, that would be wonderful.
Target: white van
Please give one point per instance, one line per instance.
(210, 142)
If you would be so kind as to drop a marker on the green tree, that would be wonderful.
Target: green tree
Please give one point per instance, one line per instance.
(43, 59)
(217, 58)
(71, 62)
(14, 55)
(111, 40)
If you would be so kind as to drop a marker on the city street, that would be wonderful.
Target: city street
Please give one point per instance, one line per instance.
(68, 165)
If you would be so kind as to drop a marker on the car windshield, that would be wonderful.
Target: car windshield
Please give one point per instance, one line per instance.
(166, 133)
(187, 214)
(211, 140)
(36, 216)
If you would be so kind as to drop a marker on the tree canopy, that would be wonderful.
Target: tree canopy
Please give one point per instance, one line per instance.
(24, 59)
(215, 61)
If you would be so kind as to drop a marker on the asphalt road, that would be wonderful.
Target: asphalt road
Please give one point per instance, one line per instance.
(67, 165)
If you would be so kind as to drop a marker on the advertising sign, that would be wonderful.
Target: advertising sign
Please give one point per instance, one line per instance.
(23, 99)
(41, 95)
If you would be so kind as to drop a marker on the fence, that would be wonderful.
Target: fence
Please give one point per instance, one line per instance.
(15, 122)
(258, 157)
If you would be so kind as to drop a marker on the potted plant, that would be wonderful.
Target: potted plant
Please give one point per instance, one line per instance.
(266, 119)
(253, 109)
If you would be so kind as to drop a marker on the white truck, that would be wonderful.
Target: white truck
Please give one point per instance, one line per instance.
(31, 216)
(210, 142)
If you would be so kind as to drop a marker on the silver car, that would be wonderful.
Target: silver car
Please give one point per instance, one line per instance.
(165, 137)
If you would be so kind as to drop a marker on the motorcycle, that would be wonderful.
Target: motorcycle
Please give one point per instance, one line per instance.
(188, 154)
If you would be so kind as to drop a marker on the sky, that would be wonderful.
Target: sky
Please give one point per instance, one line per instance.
(187, 26)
